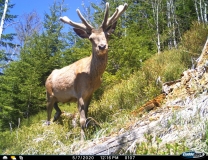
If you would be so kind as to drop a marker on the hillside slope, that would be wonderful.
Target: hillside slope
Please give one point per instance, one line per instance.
(171, 123)
(180, 119)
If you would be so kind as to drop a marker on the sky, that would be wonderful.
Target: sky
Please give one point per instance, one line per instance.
(42, 6)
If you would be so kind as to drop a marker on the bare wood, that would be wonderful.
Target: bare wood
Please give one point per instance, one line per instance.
(202, 60)
(78, 81)
(114, 145)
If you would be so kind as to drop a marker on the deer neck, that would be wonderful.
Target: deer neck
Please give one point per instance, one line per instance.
(98, 63)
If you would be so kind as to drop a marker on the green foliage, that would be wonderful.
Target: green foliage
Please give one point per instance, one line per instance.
(168, 65)
(9, 117)
(185, 14)
(193, 39)
(127, 53)
(21, 90)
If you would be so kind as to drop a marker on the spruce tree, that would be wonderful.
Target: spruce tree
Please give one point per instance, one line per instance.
(6, 40)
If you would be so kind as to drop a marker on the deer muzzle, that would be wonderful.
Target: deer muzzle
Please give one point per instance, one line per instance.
(102, 47)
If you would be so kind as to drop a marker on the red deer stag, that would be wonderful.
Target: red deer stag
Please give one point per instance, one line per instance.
(78, 81)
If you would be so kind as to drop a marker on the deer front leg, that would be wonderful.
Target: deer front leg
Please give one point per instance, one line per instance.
(82, 113)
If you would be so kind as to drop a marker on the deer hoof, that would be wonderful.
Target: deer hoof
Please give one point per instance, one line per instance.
(46, 123)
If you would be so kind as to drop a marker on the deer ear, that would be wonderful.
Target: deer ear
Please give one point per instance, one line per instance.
(81, 33)
(111, 28)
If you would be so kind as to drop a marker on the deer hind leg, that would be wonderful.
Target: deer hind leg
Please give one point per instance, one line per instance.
(50, 103)
(58, 112)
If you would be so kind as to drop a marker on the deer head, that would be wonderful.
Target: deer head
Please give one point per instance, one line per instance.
(98, 37)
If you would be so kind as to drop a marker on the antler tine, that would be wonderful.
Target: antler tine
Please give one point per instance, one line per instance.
(88, 26)
(84, 25)
(119, 10)
(65, 19)
(104, 23)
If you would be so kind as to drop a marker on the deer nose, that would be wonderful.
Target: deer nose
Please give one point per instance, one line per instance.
(102, 47)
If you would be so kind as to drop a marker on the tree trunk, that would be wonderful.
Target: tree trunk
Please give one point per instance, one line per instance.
(158, 33)
(201, 11)
(205, 12)
(155, 10)
(173, 23)
(169, 24)
(197, 12)
(3, 17)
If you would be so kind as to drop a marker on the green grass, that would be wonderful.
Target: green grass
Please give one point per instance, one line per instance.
(147, 148)
(39, 136)
(55, 138)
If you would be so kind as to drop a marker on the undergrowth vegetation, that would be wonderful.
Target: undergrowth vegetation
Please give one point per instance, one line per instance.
(147, 147)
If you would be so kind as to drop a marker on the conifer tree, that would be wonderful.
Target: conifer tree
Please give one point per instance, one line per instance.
(6, 39)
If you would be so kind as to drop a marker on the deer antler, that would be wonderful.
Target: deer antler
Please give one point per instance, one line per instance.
(105, 24)
(109, 21)
(84, 25)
